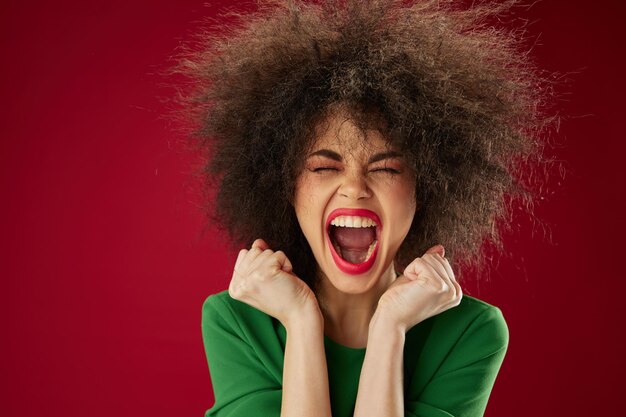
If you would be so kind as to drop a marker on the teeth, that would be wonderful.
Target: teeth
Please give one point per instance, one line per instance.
(369, 251)
(338, 249)
(353, 221)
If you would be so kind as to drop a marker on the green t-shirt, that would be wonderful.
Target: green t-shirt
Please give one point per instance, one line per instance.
(451, 361)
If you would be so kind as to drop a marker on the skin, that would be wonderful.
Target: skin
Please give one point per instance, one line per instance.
(372, 310)
(385, 187)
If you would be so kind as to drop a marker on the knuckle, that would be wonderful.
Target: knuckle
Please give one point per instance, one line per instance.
(233, 292)
(422, 280)
(419, 263)
(262, 276)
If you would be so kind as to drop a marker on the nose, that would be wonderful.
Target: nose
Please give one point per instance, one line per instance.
(354, 186)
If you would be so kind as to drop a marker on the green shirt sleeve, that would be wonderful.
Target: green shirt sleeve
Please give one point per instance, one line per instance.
(450, 361)
(462, 384)
(242, 384)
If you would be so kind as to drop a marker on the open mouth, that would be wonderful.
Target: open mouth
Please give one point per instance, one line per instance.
(353, 236)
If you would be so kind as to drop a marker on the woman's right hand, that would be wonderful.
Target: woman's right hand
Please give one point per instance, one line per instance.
(263, 279)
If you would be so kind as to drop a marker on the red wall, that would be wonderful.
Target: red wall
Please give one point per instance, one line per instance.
(103, 269)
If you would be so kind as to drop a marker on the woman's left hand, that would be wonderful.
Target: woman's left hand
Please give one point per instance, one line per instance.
(427, 288)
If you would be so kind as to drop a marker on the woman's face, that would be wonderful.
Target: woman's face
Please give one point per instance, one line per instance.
(355, 201)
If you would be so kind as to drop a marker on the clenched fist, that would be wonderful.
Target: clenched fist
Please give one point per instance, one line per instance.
(427, 288)
(263, 279)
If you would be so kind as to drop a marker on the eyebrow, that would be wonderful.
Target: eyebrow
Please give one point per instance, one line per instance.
(374, 158)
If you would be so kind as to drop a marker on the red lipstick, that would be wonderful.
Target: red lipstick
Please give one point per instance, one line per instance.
(342, 264)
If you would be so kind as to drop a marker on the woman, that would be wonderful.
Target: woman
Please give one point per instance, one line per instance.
(359, 149)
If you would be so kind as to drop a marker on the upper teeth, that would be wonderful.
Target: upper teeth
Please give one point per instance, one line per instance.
(353, 221)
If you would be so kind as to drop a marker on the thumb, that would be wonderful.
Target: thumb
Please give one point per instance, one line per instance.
(285, 263)
(287, 267)
(437, 249)
(261, 244)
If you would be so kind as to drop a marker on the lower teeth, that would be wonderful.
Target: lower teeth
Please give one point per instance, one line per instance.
(369, 251)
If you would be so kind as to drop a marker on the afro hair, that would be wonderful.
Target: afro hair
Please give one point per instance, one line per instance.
(452, 87)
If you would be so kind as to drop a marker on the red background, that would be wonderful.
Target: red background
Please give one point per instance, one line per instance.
(104, 270)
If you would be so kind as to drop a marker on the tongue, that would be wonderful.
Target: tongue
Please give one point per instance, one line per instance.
(354, 237)
(354, 242)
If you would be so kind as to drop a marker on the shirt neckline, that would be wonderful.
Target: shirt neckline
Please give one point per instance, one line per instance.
(337, 345)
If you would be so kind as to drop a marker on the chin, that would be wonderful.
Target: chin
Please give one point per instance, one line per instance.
(353, 284)
(349, 285)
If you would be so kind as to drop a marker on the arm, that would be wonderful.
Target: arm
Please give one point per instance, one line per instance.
(460, 388)
(241, 381)
(264, 280)
(463, 383)
(243, 384)
(381, 382)
(305, 373)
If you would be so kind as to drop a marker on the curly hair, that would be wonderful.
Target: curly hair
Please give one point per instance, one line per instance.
(453, 91)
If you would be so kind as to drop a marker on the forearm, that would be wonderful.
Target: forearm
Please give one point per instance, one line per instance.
(381, 389)
(305, 373)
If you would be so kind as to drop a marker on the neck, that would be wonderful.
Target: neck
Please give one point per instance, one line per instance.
(347, 316)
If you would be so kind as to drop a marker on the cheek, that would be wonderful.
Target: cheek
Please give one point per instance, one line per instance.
(306, 204)
(402, 206)
(302, 190)
(310, 190)
(404, 212)
(402, 193)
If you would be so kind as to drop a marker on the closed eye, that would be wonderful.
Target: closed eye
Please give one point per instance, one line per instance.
(389, 170)
(386, 170)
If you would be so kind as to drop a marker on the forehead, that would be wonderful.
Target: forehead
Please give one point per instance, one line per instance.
(340, 132)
